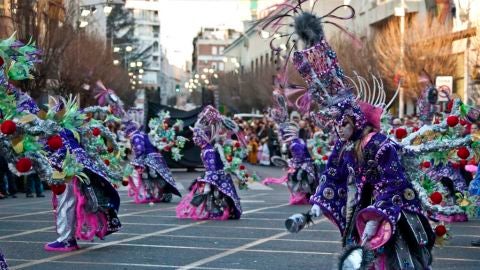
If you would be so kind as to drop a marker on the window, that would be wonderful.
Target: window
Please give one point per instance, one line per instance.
(214, 50)
(155, 46)
(220, 50)
(221, 66)
(155, 59)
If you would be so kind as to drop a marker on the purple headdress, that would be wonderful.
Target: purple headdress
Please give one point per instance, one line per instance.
(337, 95)
(213, 124)
(279, 113)
(130, 127)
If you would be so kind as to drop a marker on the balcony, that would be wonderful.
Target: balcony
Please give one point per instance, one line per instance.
(382, 9)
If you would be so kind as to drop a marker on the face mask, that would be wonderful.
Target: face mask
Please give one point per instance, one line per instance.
(345, 131)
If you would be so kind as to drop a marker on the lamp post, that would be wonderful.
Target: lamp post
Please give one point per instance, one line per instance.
(400, 12)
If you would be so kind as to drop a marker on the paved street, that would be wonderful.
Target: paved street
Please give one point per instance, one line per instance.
(153, 238)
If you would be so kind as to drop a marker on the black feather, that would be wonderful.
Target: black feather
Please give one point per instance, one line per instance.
(309, 28)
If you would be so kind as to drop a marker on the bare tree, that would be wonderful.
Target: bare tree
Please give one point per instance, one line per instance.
(427, 47)
(71, 57)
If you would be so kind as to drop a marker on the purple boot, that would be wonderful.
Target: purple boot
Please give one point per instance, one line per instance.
(70, 245)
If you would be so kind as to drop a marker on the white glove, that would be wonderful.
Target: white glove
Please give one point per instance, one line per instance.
(315, 211)
(206, 188)
(370, 230)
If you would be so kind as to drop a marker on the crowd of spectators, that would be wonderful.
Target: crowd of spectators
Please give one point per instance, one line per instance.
(263, 142)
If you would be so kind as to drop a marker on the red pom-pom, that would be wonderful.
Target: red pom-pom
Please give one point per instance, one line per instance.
(319, 150)
(463, 152)
(229, 158)
(125, 183)
(436, 197)
(426, 164)
(392, 131)
(55, 142)
(400, 133)
(96, 132)
(176, 128)
(237, 145)
(8, 127)
(167, 148)
(164, 139)
(440, 230)
(110, 149)
(58, 189)
(463, 122)
(247, 175)
(452, 120)
(437, 121)
(107, 162)
(325, 157)
(23, 165)
(242, 167)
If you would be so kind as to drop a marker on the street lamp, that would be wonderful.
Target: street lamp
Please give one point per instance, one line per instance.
(400, 12)
(128, 48)
(116, 62)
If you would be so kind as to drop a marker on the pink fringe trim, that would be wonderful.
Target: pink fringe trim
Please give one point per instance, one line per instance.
(298, 199)
(277, 181)
(186, 210)
(88, 224)
(140, 194)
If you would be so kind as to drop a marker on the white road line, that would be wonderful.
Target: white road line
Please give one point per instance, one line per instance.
(53, 227)
(160, 232)
(231, 251)
(258, 186)
(26, 215)
(28, 232)
(129, 264)
(455, 259)
(236, 250)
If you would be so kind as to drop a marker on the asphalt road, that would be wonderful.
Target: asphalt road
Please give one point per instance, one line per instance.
(153, 238)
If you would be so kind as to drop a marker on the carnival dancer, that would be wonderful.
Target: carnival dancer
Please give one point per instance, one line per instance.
(302, 175)
(85, 202)
(363, 190)
(212, 196)
(20, 128)
(153, 181)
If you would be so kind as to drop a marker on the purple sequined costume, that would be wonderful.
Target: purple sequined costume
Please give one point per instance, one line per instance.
(155, 182)
(302, 174)
(221, 202)
(3, 263)
(375, 189)
(82, 211)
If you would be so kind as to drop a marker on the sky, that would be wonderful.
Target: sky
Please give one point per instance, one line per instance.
(182, 19)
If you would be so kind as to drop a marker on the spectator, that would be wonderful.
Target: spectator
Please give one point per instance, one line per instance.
(34, 185)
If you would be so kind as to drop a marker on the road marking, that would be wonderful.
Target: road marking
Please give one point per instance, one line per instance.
(455, 259)
(258, 186)
(129, 264)
(139, 237)
(236, 250)
(28, 232)
(26, 215)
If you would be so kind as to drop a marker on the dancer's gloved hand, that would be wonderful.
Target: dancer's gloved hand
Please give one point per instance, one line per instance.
(370, 230)
(206, 188)
(315, 211)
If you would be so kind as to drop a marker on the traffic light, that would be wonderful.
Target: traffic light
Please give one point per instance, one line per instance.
(177, 88)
